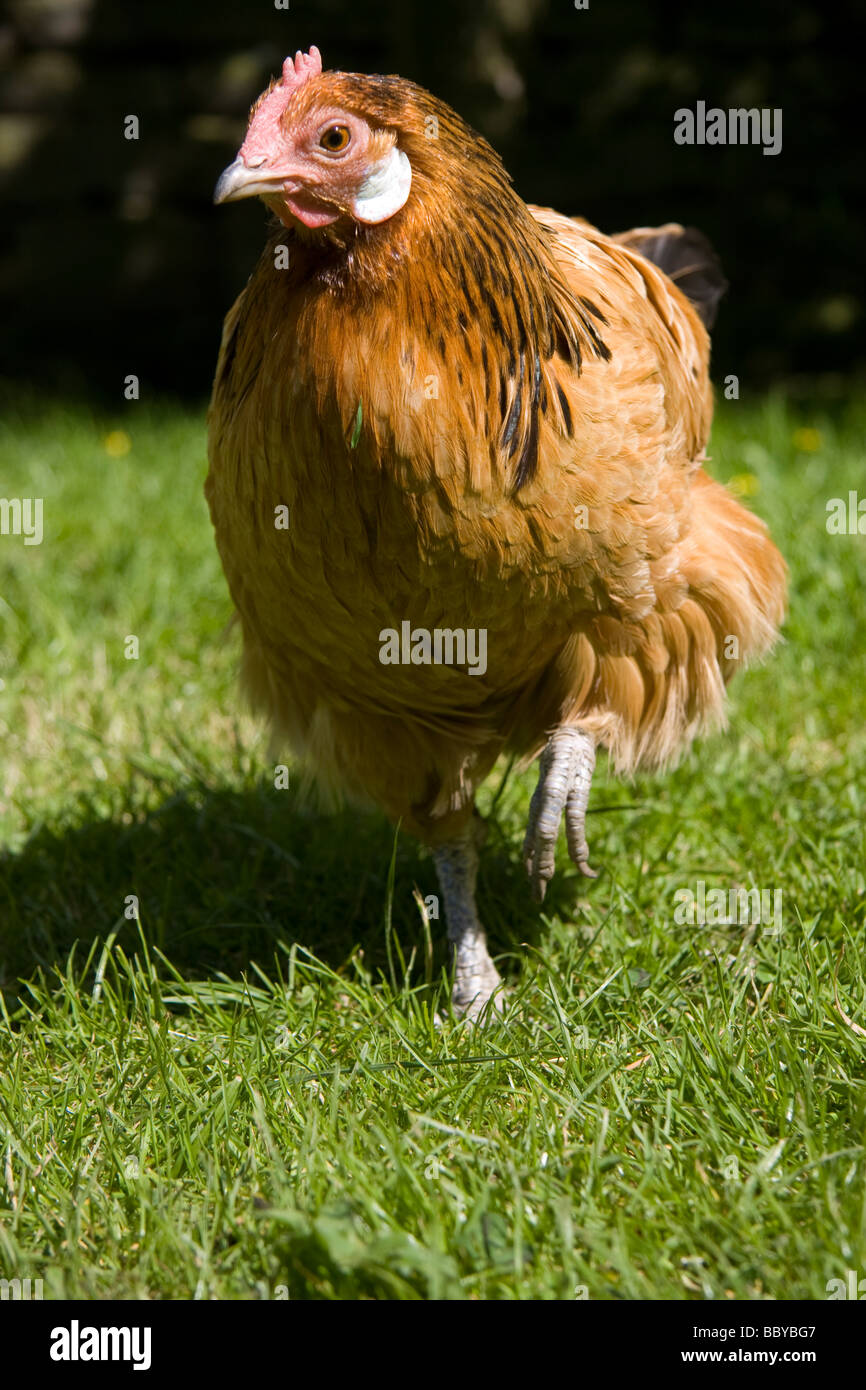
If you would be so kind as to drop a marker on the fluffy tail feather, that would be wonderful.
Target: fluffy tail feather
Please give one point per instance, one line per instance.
(646, 689)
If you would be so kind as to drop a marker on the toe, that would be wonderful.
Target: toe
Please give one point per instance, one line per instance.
(575, 834)
(478, 997)
(543, 855)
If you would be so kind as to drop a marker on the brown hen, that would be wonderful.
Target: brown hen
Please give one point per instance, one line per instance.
(448, 425)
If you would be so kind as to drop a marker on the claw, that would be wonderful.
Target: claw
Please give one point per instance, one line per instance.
(564, 781)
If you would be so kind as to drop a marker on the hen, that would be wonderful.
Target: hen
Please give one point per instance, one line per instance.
(455, 478)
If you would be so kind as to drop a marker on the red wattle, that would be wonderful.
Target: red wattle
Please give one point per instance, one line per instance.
(309, 210)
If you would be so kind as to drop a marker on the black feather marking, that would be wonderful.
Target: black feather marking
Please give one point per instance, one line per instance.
(566, 410)
(524, 337)
(567, 346)
(488, 201)
(549, 335)
(495, 320)
(478, 266)
(509, 439)
(529, 458)
(503, 393)
(601, 348)
(501, 261)
(528, 461)
(467, 293)
(594, 310)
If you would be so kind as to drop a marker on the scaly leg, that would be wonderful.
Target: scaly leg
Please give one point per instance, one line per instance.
(565, 771)
(477, 985)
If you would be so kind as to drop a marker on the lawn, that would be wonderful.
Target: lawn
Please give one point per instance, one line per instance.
(220, 1074)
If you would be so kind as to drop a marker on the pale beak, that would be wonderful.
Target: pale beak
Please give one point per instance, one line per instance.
(240, 181)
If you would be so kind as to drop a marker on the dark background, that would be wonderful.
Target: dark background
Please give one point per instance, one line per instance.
(113, 259)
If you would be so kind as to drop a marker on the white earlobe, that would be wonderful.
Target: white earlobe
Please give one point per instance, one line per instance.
(385, 189)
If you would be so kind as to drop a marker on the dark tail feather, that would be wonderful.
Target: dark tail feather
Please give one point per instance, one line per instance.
(687, 258)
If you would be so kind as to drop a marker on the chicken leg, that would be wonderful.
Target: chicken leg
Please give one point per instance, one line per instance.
(564, 779)
(477, 984)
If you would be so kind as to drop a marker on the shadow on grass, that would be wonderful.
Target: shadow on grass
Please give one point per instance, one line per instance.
(223, 876)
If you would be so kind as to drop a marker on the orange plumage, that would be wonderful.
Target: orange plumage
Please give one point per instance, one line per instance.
(480, 416)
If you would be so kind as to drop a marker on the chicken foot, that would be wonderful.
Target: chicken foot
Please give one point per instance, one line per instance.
(477, 983)
(565, 771)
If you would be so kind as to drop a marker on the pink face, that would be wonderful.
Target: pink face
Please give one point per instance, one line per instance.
(326, 164)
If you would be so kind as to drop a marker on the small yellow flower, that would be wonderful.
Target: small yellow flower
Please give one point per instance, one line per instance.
(807, 440)
(117, 444)
(744, 485)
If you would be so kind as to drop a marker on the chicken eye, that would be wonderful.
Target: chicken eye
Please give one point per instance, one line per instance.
(335, 138)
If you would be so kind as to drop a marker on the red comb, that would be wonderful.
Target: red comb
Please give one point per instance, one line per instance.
(264, 128)
(305, 65)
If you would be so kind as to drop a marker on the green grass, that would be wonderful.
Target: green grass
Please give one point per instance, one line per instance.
(240, 1090)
